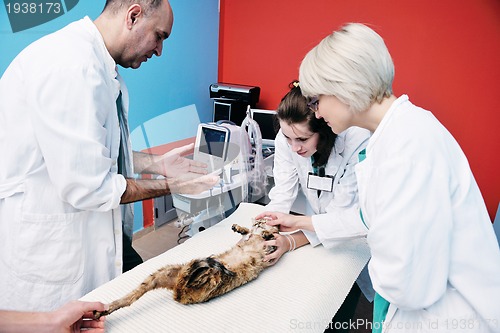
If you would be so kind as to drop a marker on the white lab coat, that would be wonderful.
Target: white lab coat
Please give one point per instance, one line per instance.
(435, 257)
(337, 212)
(336, 216)
(60, 221)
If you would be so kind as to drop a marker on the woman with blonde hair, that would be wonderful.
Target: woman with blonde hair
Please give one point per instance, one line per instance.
(435, 262)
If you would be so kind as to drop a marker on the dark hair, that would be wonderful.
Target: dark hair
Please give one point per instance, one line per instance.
(147, 5)
(293, 109)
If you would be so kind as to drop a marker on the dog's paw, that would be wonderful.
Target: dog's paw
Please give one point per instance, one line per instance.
(239, 229)
(271, 249)
(99, 314)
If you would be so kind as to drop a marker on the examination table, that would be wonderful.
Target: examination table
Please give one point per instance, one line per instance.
(300, 293)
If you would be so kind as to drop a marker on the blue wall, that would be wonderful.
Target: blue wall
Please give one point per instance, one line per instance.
(180, 78)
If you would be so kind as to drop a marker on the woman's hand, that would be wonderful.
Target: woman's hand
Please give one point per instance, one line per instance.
(282, 245)
(287, 222)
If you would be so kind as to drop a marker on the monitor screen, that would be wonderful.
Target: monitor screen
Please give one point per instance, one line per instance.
(222, 111)
(213, 142)
(265, 119)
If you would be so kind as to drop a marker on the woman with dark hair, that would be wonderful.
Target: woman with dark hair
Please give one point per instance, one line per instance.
(293, 110)
(310, 156)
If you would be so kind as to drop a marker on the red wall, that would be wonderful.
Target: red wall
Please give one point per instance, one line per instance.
(446, 53)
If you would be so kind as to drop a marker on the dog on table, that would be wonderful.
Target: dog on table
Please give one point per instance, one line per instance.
(203, 279)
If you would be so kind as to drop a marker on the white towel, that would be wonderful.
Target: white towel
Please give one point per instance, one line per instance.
(300, 293)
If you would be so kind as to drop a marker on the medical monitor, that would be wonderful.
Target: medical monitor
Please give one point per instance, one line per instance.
(222, 111)
(265, 119)
(211, 145)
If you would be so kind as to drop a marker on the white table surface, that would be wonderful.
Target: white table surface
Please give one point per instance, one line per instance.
(301, 293)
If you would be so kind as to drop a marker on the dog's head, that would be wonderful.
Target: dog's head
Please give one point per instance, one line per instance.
(260, 227)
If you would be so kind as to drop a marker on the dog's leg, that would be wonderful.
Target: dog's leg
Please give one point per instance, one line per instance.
(239, 229)
(163, 278)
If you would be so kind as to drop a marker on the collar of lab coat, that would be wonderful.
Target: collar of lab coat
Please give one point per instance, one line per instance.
(385, 121)
(340, 143)
(108, 60)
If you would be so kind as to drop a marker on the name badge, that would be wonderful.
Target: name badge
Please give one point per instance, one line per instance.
(319, 183)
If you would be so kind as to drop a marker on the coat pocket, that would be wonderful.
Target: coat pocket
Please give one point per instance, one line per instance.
(50, 248)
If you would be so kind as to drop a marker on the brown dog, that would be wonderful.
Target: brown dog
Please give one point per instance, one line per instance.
(203, 279)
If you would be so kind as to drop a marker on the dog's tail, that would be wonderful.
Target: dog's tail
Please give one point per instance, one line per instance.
(163, 278)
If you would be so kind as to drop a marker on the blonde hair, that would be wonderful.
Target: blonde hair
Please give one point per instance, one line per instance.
(352, 64)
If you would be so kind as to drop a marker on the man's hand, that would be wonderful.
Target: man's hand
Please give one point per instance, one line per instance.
(187, 183)
(192, 183)
(72, 317)
(77, 316)
(171, 164)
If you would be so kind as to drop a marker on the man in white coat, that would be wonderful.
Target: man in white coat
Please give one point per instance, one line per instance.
(66, 160)
(435, 262)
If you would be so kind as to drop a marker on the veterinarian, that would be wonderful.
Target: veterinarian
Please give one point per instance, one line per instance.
(308, 154)
(74, 316)
(435, 261)
(66, 157)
